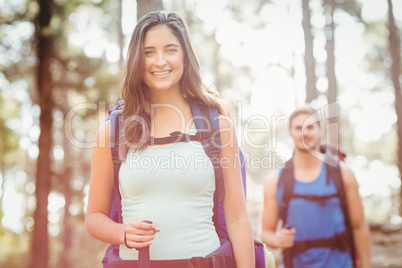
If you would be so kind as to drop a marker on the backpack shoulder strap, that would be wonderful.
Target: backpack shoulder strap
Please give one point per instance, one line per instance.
(334, 172)
(206, 120)
(288, 179)
(116, 126)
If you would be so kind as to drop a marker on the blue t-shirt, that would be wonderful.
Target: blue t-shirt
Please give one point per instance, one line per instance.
(313, 220)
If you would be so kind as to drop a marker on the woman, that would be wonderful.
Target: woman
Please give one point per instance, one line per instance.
(162, 77)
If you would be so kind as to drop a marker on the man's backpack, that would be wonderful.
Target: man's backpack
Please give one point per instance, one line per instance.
(345, 240)
(207, 123)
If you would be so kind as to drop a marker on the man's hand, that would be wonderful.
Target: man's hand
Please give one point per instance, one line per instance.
(285, 237)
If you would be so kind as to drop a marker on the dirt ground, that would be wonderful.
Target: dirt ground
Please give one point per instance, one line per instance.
(386, 241)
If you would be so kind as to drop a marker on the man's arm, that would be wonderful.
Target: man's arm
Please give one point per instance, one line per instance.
(360, 227)
(270, 216)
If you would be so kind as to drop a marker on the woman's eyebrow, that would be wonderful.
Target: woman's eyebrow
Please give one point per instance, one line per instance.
(172, 45)
(169, 45)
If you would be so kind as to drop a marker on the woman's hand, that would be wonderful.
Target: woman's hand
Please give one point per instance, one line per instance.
(139, 234)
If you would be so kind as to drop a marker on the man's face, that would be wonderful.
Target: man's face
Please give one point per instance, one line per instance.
(305, 131)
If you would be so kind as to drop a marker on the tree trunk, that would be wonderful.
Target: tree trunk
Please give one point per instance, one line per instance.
(309, 61)
(395, 49)
(216, 61)
(146, 6)
(332, 93)
(65, 179)
(120, 29)
(1, 188)
(40, 248)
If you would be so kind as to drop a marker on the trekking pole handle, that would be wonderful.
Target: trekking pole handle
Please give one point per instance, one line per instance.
(144, 260)
(288, 227)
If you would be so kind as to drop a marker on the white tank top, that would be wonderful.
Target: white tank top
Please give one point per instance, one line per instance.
(173, 187)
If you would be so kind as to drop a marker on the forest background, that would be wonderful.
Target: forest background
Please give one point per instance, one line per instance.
(60, 65)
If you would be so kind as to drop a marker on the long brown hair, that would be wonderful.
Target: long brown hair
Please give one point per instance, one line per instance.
(137, 107)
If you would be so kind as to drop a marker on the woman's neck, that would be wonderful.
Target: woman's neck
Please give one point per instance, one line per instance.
(167, 97)
(170, 112)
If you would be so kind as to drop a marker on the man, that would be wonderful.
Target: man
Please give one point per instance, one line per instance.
(314, 231)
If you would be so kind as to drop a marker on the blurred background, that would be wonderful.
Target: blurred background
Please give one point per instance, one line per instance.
(60, 65)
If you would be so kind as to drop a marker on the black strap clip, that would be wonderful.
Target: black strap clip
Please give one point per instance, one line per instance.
(177, 136)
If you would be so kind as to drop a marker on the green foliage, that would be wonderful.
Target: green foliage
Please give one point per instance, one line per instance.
(14, 249)
(378, 58)
(352, 7)
(9, 140)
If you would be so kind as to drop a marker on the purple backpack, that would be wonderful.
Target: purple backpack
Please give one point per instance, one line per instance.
(206, 132)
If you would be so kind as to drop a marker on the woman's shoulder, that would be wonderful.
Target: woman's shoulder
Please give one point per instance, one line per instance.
(225, 122)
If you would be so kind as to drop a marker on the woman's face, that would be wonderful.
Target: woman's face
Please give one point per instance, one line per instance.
(164, 59)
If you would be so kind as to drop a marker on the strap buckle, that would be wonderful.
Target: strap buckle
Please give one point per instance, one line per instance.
(177, 135)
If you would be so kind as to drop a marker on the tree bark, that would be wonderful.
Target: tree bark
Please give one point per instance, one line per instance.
(332, 93)
(65, 180)
(215, 67)
(120, 30)
(40, 248)
(395, 49)
(146, 6)
(309, 61)
(1, 187)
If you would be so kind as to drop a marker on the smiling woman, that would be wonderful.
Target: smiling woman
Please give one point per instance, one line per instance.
(166, 206)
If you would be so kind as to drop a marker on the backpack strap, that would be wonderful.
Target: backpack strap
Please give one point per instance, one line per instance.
(116, 126)
(206, 120)
(321, 199)
(177, 136)
(288, 179)
(338, 241)
(334, 172)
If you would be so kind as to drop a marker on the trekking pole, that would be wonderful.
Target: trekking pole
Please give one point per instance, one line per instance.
(287, 253)
(144, 260)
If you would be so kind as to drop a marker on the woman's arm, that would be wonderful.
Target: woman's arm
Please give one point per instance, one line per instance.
(360, 228)
(97, 221)
(236, 216)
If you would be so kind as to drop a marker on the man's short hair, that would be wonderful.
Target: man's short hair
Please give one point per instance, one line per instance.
(304, 109)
